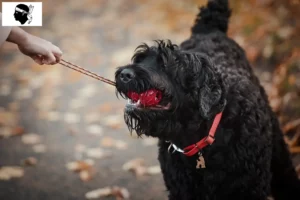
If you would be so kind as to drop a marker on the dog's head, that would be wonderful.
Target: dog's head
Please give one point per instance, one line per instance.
(168, 90)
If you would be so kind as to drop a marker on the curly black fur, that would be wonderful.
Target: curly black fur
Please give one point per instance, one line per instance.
(207, 74)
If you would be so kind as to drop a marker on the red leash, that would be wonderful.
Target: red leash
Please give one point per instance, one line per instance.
(208, 140)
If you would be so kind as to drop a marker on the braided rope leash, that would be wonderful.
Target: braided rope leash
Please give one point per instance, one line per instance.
(85, 72)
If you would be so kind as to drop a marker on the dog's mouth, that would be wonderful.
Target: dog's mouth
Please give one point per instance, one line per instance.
(150, 99)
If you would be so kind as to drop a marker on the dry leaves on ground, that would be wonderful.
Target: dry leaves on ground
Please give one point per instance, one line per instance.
(293, 142)
(31, 138)
(8, 118)
(9, 172)
(30, 161)
(113, 143)
(88, 91)
(295, 150)
(84, 168)
(113, 121)
(138, 167)
(77, 103)
(72, 118)
(7, 132)
(95, 130)
(98, 153)
(92, 117)
(105, 108)
(291, 125)
(119, 192)
(39, 148)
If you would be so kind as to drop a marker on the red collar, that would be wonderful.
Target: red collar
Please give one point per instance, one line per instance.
(208, 140)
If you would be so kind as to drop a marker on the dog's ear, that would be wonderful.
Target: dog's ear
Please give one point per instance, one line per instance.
(209, 87)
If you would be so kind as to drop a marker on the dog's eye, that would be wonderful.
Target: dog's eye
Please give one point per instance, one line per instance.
(138, 58)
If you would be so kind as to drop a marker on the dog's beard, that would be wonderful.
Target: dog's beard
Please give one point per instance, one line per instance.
(149, 123)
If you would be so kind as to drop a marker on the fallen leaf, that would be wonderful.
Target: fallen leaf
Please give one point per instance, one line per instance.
(79, 166)
(291, 125)
(84, 168)
(71, 118)
(105, 108)
(92, 117)
(9, 172)
(98, 153)
(154, 170)
(268, 51)
(5, 132)
(133, 163)
(85, 175)
(8, 118)
(292, 80)
(110, 142)
(18, 130)
(252, 53)
(118, 192)
(285, 32)
(113, 121)
(295, 150)
(295, 139)
(39, 148)
(102, 192)
(107, 142)
(31, 138)
(77, 103)
(80, 148)
(275, 103)
(95, 130)
(136, 165)
(119, 144)
(30, 161)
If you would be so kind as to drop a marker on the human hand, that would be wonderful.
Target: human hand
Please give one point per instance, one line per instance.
(40, 50)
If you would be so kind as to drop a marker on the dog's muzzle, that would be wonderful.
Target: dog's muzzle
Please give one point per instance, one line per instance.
(150, 99)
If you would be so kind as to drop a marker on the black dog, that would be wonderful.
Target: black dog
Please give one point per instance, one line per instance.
(181, 94)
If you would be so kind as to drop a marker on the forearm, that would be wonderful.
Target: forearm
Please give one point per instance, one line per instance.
(17, 36)
(4, 31)
(40, 50)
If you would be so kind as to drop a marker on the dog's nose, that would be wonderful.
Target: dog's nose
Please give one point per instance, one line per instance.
(126, 75)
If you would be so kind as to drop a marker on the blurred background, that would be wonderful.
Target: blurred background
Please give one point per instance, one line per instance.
(62, 134)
